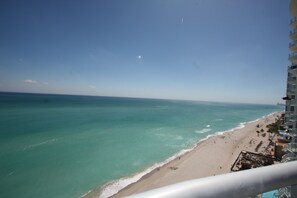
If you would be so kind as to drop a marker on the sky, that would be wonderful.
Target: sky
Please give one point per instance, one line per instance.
(206, 50)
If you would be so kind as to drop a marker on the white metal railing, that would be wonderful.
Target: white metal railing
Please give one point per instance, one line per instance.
(292, 80)
(293, 43)
(293, 32)
(284, 192)
(292, 67)
(290, 147)
(238, 184)
(289, 157)
(293, 55)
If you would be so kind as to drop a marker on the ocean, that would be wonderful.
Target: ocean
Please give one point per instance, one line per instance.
(63, 146)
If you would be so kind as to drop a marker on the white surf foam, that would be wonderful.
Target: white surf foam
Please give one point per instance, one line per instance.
(203, 130)
(39, 144)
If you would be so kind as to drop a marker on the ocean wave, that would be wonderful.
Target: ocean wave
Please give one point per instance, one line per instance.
(240, 126)
(179, 137)
(39, 144)
(243, 124)
(203, 130)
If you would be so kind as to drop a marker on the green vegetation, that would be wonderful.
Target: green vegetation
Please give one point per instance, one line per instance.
(277, 125)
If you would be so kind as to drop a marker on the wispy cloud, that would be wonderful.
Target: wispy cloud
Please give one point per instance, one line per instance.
(30, 81)
(92, 87)
(139, 57)
(35, 82)
(182, 20)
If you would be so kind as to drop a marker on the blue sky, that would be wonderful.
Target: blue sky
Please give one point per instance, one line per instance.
(210, 50)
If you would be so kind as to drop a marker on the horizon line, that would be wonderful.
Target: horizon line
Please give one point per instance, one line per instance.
(135, 97)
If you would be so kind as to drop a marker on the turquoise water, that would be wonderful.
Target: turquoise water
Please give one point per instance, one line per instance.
(64, 146)
(271, 194)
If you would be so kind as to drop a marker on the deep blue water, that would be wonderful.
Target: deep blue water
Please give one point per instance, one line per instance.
(64, 146)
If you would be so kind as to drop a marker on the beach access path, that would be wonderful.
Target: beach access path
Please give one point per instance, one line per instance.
(213, 156)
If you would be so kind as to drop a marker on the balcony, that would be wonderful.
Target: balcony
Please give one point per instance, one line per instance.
(292, 80)
(290, 92)
(289, 157)
(290, 147)
(284, 192)
(293, 34)
(292, 71)
(293, 118)
(293, 133)
(293, 103)
(293, 58)
(293, 46)
(293, 22)
(293, 67)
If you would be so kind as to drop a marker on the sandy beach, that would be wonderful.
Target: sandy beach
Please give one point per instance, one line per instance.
(212, 156)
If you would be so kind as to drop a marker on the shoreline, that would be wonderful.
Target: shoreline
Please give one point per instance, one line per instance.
(201, 159)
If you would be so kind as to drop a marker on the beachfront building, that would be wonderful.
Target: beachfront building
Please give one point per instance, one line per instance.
(291, 98)
(291, 101)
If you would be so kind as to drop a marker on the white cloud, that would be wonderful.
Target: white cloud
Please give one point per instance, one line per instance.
(139, 57)
(35, 82)
(92, 87)
(182, 20)
(30, 81)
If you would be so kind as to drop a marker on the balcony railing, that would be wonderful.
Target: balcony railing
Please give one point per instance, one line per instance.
(294, 54)
(290, 91)
(293, 22)
(293, 34)
(238, 184)
(292, 44)
(290, 147)
(284, 192)
(291, 117)
(293, 57)
(289, 157)
(292, 80)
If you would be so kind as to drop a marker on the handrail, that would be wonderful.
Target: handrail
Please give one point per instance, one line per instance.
(292, 43)
(238, 184)
(292, 67)
(290, 147)
(294, 54)
(294, 31)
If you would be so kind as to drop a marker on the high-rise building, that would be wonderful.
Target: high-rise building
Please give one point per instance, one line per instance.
(291, 98)
(291, 101)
